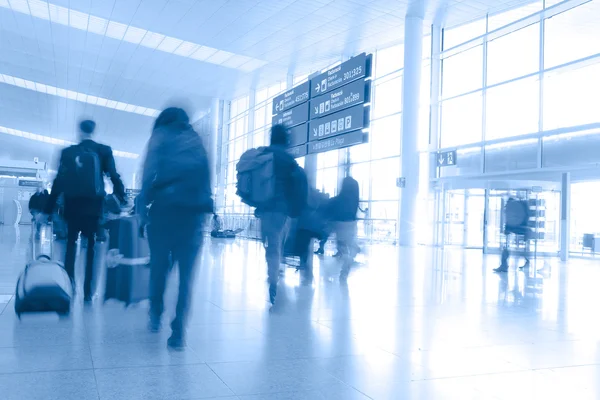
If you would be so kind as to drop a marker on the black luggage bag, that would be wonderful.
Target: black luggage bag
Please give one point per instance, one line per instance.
(127, 262)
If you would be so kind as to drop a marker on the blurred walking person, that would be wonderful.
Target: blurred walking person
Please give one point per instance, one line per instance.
(80, 179)
(269, 179)
(37, 205)
(176, 192)
(342, 212)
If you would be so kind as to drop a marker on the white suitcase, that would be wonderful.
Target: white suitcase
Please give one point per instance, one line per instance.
(44, 285)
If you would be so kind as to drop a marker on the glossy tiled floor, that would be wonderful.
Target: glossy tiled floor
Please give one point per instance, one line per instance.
(419, 324)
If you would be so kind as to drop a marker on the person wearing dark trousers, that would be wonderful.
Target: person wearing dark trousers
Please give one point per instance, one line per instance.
(176, 190)
(83, 210)
(37, 204)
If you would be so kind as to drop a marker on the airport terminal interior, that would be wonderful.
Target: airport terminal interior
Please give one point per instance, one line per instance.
(472, 128)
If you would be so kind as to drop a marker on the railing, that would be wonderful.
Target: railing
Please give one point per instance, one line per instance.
(370, 230)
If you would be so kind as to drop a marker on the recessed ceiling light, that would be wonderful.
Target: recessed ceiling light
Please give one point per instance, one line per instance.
(186, 49)
(58, 14)
(116, 30)
(134, 35)
(152, 40)
(97, 25)
(169, 44)
(93, 24)
(78, 20)
(220, 56)
(203, 53)
(38, 9)
(56, 141)
(19, 6)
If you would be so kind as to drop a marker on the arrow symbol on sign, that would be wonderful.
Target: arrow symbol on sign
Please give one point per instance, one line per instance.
(277, 107)
(316, 131)
(316, 110)
(441, 159)
(318, 88)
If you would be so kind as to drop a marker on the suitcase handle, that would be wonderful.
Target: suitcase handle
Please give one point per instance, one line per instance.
(43, 257)
(33, 240)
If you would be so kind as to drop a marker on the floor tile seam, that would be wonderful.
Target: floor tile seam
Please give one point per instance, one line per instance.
(221, 379)
(5, 306)
(194, 364)
(479, 374)
(212, 303)
(339, 381)
(305, 358)
(45, 371)
(89, 347)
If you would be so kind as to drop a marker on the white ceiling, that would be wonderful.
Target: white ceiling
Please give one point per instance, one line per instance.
(228, 47)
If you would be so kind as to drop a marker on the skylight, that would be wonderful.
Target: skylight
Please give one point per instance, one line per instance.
(116, 30)
(73, 95)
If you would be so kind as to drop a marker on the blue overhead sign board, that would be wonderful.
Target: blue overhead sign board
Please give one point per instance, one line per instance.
(354, 93)
(348, 120)
(298, 135)
(337, 142)
(358, 67)
(292, 117)
(291, 98)
(329, 111)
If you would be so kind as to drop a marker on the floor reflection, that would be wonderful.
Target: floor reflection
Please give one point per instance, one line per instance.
(422, 323)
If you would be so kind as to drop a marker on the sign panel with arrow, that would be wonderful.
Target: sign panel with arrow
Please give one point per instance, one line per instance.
(355, 68)
(291, 98)
(446, 158)
(347, 96)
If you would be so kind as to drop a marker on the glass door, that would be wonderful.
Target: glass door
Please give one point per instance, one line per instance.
(474, 218)
(455, 218)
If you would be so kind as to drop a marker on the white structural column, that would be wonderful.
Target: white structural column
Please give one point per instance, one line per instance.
(413, 48)
(565, 215)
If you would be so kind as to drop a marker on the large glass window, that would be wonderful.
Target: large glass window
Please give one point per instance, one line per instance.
(463, 72)
(388, 97)
(514, 55)
(455, 36)
(513, 109)
(462, 120)
(572, 35)
(389, 60)
(386, 137)
(571, 97)
(504, 18)
(383, 187)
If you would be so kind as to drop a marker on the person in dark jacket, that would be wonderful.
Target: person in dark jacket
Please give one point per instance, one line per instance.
(176, 187)
(287, 203)
(83, 214)
(342, 211)
(37, 205)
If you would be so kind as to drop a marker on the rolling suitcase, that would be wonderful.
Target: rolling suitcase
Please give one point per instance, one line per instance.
(44, 285)
(127, 262)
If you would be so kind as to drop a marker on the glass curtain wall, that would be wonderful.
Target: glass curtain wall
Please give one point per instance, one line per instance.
(520, 91)
(246, 127)
(519, 74)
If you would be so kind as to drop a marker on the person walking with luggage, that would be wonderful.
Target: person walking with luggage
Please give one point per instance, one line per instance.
(80, 179)
(342, 211)
(37, 204)
(270, 180)
(176, 185)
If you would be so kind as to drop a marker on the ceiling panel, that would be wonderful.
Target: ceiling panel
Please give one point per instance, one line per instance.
(298, 36)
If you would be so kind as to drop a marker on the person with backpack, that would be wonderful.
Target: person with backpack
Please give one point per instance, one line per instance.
(269, 179)
(175, 198)
(342, 210)
(80, 179)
